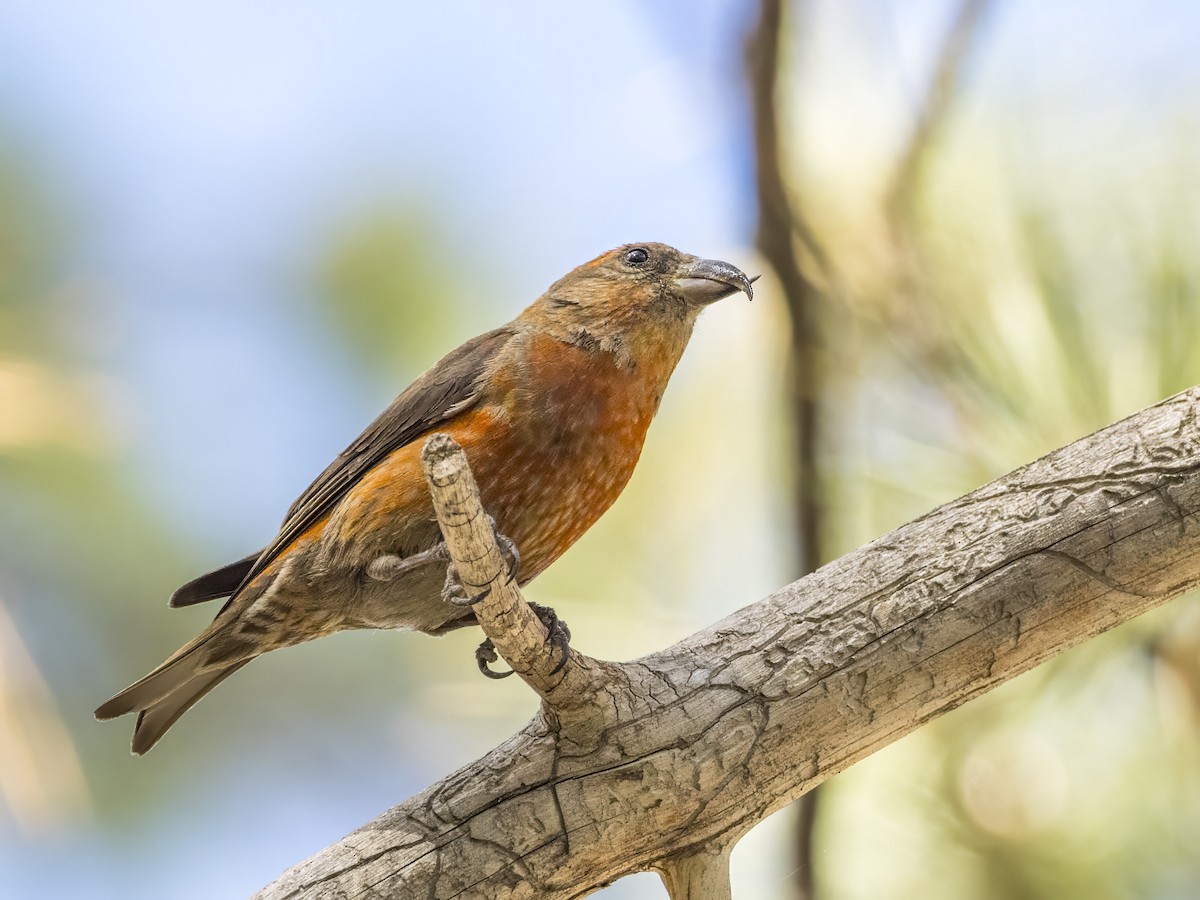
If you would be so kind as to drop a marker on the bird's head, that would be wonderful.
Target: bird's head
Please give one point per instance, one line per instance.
(637, 287)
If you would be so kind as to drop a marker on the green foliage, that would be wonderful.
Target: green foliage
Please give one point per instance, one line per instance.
(29, 252)
(390, 283)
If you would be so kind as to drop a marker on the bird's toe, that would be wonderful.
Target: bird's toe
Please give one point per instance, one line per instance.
(455, 592)
(485, 654)
(560, 634)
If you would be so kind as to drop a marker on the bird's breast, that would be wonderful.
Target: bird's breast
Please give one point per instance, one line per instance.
(565, 439)
(552, 443)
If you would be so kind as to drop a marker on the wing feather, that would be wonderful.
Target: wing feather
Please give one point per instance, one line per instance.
(451, 386)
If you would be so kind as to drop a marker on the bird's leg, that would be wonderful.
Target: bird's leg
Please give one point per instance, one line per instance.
(560, 637)
(455, 592)
(390, 567)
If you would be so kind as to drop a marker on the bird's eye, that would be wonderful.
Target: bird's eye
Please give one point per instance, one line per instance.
(636, 256)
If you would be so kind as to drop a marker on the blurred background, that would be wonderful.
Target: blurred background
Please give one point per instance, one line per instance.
(230, 233)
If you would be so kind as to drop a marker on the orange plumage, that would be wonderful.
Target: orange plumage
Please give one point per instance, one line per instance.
(552, 411)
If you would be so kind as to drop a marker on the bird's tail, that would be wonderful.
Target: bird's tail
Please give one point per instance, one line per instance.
(168, 692)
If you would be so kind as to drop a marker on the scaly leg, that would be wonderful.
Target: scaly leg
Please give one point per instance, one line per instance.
(391, 566)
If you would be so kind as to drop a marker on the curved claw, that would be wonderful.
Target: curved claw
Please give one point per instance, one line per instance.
(560, 637)
(455, 592)
(485, 654)
(565, 649)
(560, 634)
(508, 549)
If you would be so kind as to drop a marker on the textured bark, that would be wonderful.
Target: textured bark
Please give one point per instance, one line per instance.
(698, 875)
(678, 754)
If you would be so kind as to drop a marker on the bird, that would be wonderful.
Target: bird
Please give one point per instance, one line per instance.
(551, 410)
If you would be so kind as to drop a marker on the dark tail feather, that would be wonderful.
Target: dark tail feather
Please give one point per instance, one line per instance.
(172, 675)
(153, 722)
(169, 691)
(218, 583)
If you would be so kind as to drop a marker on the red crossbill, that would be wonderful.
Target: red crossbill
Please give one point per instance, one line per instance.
(550, 409)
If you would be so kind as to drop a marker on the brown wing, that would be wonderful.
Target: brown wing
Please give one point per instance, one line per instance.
(451, 386)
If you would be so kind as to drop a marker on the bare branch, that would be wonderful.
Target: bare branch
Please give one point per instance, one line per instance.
(685, 750)
(698, 875)
(518, 635)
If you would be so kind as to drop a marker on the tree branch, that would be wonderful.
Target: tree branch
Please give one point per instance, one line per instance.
(683, 751)
(700, 874)
(518, 635)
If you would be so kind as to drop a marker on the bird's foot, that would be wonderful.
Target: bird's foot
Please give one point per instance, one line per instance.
(560, 637)
(391, 566)
(456, 593)
(486, 653)
(508, 549)
(560, 634)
